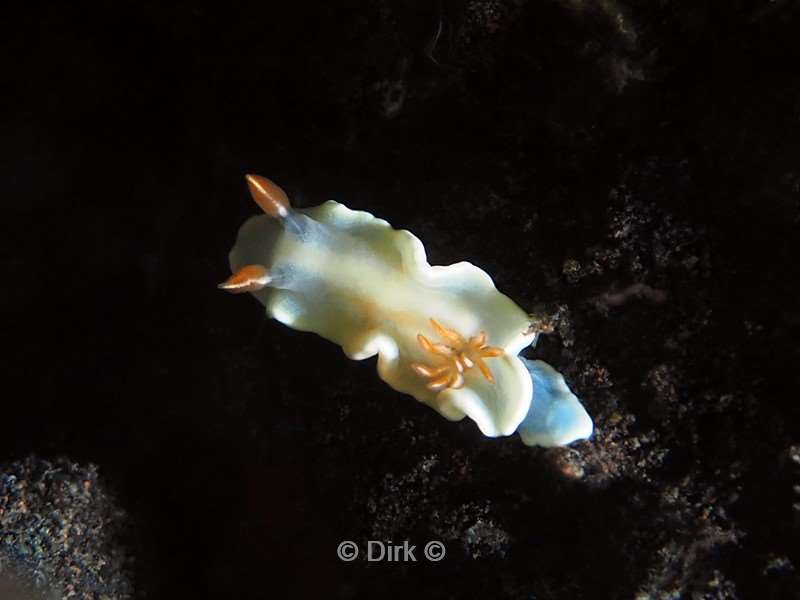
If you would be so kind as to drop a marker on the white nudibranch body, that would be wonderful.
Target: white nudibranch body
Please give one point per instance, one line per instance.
(443, 334)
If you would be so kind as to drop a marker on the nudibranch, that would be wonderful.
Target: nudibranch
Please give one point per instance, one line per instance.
(443, 334)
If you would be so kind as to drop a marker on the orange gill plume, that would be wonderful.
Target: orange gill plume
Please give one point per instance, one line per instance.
(459, 356)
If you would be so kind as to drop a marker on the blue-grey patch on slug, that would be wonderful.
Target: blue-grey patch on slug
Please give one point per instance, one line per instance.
(556, 417)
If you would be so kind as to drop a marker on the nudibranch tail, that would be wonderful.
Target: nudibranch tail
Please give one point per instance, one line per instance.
(247, 279)
(556, 417)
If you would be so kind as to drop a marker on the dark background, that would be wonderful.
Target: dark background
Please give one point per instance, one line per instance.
(570, 148)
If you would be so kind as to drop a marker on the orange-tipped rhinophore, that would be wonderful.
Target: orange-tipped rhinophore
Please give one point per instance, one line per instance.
(247, 279)
(269, 196)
